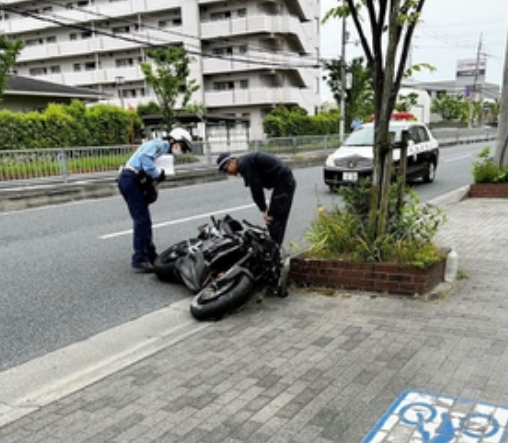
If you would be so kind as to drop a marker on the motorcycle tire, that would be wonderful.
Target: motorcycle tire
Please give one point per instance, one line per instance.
(164, 264)
(210, 304)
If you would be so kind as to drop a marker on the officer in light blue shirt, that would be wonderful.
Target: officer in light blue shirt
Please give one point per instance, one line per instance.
(137, 183)
(144, 157)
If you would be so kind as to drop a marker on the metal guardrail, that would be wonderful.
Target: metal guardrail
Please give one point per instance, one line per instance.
(38, 166)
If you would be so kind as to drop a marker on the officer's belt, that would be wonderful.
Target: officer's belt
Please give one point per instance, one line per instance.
(130, 168)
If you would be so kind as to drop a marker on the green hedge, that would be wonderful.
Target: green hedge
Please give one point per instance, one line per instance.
(63, 126)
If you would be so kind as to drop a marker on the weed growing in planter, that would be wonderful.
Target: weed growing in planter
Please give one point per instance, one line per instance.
(486, 171)
(342, 233)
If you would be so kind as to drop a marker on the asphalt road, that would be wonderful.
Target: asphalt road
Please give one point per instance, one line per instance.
(65, 273)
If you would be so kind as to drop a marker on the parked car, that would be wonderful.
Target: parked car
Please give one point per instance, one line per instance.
(355, 158)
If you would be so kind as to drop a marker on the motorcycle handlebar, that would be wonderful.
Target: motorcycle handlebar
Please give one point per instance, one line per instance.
(251, 225)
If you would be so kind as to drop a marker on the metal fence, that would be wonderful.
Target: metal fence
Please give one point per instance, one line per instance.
(23, 167)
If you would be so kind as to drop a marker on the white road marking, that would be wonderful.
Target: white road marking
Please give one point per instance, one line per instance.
(460, 157)
(181, 220)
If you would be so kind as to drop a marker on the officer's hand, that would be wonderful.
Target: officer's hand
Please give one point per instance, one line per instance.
(162, 176)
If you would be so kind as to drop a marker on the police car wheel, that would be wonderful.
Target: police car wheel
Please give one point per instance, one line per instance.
(431, 173)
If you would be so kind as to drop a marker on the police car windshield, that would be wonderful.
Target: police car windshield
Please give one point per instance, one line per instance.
(364, 136)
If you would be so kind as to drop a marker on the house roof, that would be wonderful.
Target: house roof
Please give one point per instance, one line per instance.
(450, 85)
(19, 85)
(193, 118)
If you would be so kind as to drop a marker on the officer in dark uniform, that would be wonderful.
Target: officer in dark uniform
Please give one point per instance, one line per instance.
(137, 183)
(262, 171)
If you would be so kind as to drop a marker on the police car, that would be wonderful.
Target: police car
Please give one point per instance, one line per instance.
(354, 160)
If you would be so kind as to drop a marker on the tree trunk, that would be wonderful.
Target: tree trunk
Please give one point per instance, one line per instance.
(501, 154)
(402, 170)
(385, 92)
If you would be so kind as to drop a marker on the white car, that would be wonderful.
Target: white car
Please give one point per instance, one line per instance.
(355, 158)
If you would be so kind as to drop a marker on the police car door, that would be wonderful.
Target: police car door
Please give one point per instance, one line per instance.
(417, 150)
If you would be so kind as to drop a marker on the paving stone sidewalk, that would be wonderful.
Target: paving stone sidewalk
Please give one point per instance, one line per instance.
(314, 368)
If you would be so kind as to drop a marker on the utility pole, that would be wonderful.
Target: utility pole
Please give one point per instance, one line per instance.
(474, 92)
(501, 154)
(343, 80)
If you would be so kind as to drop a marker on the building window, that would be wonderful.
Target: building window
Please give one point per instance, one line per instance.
(73, 36)
(124, 62)
(177, 22)
(33, 42)
(77, 67)
(218, 16)
(223, 51)
(224, 86)
(163, 24)
(38, 71)
(242, 12)
(120, 30)
(51, 39)
(55, 69)
(85, 35)
(244, 84)
(90, 66)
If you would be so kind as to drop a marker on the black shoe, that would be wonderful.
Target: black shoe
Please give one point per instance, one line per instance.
(281, 291)
(143, 267)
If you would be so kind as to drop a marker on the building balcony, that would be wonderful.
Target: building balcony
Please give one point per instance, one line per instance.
(255, 97)
(94, 45)
(95, 76)
(245, 62)
(82, 15)
(260, 24)
(305, 9)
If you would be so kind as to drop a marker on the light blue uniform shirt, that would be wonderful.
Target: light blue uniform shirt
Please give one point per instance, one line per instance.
(144, 157)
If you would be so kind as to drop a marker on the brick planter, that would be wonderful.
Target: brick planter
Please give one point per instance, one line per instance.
(375, 277)
(488, 190)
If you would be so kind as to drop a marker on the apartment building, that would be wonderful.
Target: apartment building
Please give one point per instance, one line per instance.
(248, 56)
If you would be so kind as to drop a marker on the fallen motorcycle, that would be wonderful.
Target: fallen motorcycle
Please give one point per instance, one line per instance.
(225, 264)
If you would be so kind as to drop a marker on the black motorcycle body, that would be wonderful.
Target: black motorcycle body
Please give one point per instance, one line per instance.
(260, 267)
(223, 266)
(194, 261)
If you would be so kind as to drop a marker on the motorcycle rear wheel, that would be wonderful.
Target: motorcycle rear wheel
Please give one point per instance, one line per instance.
(213, 304)
(164, 264)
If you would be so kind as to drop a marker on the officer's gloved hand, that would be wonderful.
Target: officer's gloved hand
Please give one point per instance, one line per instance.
(162, 176)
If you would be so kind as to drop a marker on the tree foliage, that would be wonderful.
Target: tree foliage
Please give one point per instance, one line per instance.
(9, 51)
(169, 78)
(289, 122)
(385, 29)
(359, 97)
(450, 107)
(406, 102)
(150, 108)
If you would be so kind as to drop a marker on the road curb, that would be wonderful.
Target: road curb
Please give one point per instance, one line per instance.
(32, 385)
(451, 198)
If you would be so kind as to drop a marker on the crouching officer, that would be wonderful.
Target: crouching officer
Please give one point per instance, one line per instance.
(137, 184)
(264, 171)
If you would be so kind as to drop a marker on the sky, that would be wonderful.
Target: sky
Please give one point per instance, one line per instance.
(450, 30)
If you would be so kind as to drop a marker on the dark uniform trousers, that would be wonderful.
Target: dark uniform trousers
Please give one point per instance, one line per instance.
(132, 192)
(280, 206)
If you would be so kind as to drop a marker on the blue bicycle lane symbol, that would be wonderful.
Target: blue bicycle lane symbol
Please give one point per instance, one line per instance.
(474, 425)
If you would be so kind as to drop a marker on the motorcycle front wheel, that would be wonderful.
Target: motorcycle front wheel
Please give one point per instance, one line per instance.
(213, 303)
(164, 264)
